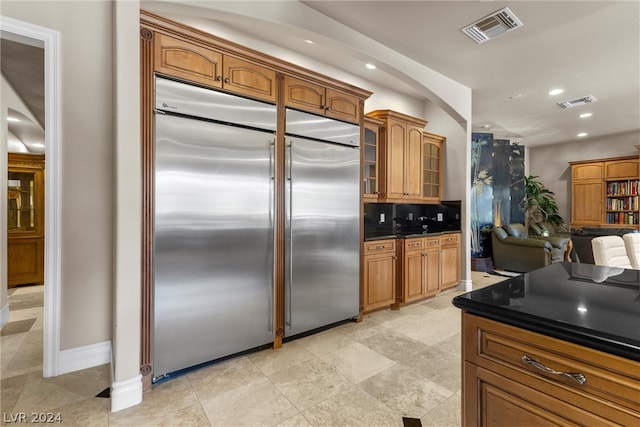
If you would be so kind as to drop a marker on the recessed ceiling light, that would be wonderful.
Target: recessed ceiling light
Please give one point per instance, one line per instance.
(12, 119)
(309, 41)
(370, 66)
(486, 126)
(516, 96)
(582, 134)
(585, 115)
(554, 92)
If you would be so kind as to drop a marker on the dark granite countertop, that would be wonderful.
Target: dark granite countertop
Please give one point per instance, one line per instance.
(410, 236)
(594, 306)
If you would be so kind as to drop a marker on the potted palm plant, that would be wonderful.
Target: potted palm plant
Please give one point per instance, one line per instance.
(541, 204)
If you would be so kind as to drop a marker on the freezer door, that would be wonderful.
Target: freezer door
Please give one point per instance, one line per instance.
(213, 264)
(323, 251)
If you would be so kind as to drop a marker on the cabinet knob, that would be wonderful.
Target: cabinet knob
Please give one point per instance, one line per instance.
(218, 78)
(226, 80)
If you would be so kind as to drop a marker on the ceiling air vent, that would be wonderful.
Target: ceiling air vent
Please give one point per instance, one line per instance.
(578, 101)
(492, 26)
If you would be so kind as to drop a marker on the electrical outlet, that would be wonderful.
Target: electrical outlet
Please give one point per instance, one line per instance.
(410, 216)
(382, 218)
(440, 217)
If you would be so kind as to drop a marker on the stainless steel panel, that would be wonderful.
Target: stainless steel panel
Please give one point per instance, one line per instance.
(213, 241)
(321, 128)
(323, 259)
(196, 101)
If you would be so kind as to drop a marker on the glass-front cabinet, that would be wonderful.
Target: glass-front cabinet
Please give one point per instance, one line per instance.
(432, 147)
(21, 204)
(373, 129)
(25, 219)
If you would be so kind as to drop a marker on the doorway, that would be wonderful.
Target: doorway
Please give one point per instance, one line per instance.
(48, 40)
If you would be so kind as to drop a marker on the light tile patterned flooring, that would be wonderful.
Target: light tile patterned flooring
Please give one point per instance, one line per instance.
(393, 364)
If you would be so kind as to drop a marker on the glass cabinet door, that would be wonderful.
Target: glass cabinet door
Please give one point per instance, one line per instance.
(370, 164)
(21, 194)
(431, 166)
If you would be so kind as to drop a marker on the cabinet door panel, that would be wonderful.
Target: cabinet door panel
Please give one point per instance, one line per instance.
(304, 95)
(587, 171)
(586, 202)
(622, 169)
(413, 162)
(379, 277)
(413, 276)
(432, 273)
(249, 79)
(192, 62)
(396, 160)
(25, 260)
(450, 272)
(342, 106)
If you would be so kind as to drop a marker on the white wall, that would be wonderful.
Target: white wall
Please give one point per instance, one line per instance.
(551, 162)
(87, 161)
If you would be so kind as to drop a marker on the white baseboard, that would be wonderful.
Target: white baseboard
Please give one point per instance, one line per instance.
(125, 394)
(4, 316)
(86, 356)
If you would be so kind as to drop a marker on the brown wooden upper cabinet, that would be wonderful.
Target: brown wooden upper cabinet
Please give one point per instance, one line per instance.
(432, 148)
(204, 65)
(25, 219)
(321, 100)
(373, 133)
(401, 156)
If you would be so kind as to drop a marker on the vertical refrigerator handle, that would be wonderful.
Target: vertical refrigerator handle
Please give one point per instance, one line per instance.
(272, 190)
(289, 227)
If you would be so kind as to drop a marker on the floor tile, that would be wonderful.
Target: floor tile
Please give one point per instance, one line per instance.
(404, 391)
(270, 361)
(309, 383)
(446, 414)
(357, 362)
(17, 327)
(353, 407)
(392, 344)
(259, 403)
(220, 378)
(325, 342)
(438, 366)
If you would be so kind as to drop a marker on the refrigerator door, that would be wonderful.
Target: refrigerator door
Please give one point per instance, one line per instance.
(323, 254)
(185, 99)
(213, 285)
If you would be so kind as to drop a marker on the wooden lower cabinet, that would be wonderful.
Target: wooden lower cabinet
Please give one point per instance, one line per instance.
(402, 271)
(450, 260)
(379, 274)
(500, 389)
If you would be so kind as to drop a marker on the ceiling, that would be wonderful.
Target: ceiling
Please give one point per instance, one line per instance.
(583, 47)
(22, 66)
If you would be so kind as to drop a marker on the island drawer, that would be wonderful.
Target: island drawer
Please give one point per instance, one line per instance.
(504, 348)
(379, 246)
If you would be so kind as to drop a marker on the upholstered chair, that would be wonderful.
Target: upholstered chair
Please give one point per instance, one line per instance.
(632, 244)
(560, 241)
(610, 251)
(514, 250)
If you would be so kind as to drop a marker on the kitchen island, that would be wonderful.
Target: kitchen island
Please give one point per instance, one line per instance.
(556, 346)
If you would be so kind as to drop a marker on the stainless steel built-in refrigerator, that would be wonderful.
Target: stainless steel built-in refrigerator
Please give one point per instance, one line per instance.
(323, 227)
(214, 192)
(214, 224)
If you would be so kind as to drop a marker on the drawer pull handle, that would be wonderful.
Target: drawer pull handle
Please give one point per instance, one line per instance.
(576, 376)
